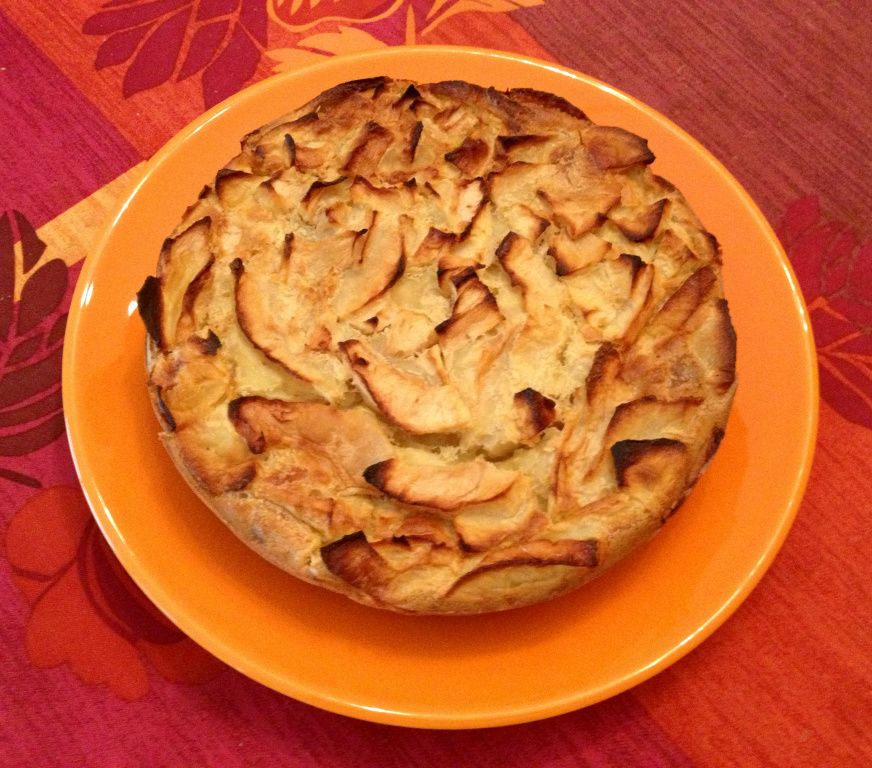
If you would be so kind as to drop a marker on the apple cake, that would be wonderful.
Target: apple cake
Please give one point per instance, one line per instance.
(438, 347)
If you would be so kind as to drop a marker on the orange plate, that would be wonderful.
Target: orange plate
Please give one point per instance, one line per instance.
(441, 672)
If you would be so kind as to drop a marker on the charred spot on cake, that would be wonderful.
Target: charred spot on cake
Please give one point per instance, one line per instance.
(339, 93)
(506, 245)
(664, 184)
(550, 101)
(615, 148)
(539, 411)
(417, 130)
(354, 560)
(642, 224)
(411, 94)
(469, 156)
(571, 255)
(713, 250)
(352, 350)
(372, 144)
(288, 246)
(290, 149)
(149, 302)
(254, 438)
(196, 285)
(727, 346)
(635, 264)
(229, 181)
(376, 474)
(164, 411)
(508, 143)
(320, 184)
(640, 461)
(715, 440)
(203, 223)
(209, 345)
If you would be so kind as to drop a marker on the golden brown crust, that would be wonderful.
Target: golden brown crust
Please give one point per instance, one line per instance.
(440, 348)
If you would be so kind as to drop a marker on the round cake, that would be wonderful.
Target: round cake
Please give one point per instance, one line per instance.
(438, 347)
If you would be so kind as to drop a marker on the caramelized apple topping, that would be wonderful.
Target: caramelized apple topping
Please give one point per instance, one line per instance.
(440, 347)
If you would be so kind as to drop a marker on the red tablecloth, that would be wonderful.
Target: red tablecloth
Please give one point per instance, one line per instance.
(91, 673)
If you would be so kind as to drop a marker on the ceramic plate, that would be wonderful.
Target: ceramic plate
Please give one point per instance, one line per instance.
(441, 672)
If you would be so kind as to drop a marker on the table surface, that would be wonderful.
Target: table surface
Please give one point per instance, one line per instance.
(92, 674)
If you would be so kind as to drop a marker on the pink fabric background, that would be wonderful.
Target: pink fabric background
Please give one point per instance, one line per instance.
(92, 675)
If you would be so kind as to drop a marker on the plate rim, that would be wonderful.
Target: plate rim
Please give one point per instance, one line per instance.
(518, 714)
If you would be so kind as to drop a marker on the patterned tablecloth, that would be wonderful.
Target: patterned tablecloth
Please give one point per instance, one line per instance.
(91, 674)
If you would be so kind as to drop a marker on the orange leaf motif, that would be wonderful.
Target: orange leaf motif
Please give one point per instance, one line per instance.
(319, 46)
(346, 40)
(290, 59)
(445, 9)
(85, 611)
(300, 15)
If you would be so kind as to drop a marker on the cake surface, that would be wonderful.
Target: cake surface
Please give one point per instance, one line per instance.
(440, 348)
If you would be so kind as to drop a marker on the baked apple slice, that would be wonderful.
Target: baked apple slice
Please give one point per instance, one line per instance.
(406, 399)
(379, 264)
(447, 487)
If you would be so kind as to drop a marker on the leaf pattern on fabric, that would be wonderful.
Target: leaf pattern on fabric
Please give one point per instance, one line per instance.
(118, 17)
(223, 41)
(835, 272)
(341, 21)
(7, 274)
(204, 45)
(164, 40)
(346, 40)
(31, 338)
(290, 59)
(155, 60)
(32, 247)
(85, 611)
(301, 15)
(442, 10)
(235, 64)
(119, 47)
(320, 46)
